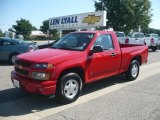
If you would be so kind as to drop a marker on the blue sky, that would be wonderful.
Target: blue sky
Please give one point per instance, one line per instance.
(37, 11)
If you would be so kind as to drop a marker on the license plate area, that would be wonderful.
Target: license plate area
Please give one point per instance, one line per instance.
(16, 83)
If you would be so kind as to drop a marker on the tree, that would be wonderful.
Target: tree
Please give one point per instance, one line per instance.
(11, 30)
(45, 27)
(1, 33)
(34, 28)
(151, 30)
(124, 15)
(23, 27)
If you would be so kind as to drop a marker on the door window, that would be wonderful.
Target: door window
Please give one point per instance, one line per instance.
(1, 43)
(7, 43)
(141, 35)
(105, 41)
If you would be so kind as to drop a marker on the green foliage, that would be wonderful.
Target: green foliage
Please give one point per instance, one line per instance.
(53, 34)
(124, 15)
(11, 30)
(151, 30)
(23, 27)
(1, 33)
(45, 26)
(34, 28)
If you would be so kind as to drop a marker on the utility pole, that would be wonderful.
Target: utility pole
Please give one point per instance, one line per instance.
(102, 4)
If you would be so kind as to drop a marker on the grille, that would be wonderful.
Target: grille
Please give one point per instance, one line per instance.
(21, 71)
(23, 63)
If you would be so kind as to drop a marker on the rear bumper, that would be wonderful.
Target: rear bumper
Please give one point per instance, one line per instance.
(34, 86)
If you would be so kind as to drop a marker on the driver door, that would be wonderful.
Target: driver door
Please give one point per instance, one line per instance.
(103, 64)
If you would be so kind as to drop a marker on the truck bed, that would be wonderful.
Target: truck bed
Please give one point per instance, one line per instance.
(129, 50)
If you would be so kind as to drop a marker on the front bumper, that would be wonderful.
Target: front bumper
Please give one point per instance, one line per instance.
(35, 86)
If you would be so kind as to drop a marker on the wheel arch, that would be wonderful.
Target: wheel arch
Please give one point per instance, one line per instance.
(77, 69)
(14, 53)
(138, 58)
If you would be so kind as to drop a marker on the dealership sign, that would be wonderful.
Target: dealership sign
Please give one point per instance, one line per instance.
(79, 21)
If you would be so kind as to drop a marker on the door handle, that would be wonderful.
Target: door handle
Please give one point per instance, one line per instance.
(113, 54)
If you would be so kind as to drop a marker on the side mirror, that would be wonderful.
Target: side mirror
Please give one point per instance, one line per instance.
(97, 49)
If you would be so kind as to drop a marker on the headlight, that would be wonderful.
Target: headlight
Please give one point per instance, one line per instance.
(43, 66)
(40, 75)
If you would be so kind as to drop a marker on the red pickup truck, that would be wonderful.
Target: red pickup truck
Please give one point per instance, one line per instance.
(76, 59)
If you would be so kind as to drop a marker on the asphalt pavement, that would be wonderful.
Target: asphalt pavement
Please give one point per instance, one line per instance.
(108, 99)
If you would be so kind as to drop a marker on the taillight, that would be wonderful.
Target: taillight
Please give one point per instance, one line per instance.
(127, 40)
(152, 40)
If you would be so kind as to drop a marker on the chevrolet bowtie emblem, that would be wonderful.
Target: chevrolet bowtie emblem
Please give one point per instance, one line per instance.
(91, 19)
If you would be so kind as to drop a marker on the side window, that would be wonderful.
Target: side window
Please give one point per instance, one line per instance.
(7, 43)
(141, 35)
(1, 43)
(105, 41)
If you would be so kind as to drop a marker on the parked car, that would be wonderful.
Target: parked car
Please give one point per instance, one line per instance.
(137, 38)
(159, 42)
(152, 41)
(76, 59)
(46, 45)
(121, 37)
(10, 48)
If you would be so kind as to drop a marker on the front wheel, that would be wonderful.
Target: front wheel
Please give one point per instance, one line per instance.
(12, 58)
(133, 70)
(69, 88)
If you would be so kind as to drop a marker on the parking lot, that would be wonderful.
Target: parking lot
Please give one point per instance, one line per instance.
(111, 98)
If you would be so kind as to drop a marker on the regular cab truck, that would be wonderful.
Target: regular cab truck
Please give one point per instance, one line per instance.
(76, 59)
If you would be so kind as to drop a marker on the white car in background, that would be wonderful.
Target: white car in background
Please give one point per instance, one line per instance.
(152, 40)
(136, 38)
(121, 37)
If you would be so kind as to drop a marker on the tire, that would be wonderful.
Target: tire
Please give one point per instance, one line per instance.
(69, 88)
(133, 70)
(12, 58)
(154, 49)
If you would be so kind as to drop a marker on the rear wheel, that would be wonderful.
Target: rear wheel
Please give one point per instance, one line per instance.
(133, 70)
(154, 48)
(69, 88)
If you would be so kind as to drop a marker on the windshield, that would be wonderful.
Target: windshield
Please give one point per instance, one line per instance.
(119, 34)
(156, 36)
(74, 41)
(130, 35)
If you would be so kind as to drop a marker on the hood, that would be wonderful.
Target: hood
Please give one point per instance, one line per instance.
(49, 55)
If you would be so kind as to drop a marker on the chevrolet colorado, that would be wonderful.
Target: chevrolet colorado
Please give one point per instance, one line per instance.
(76, 59)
